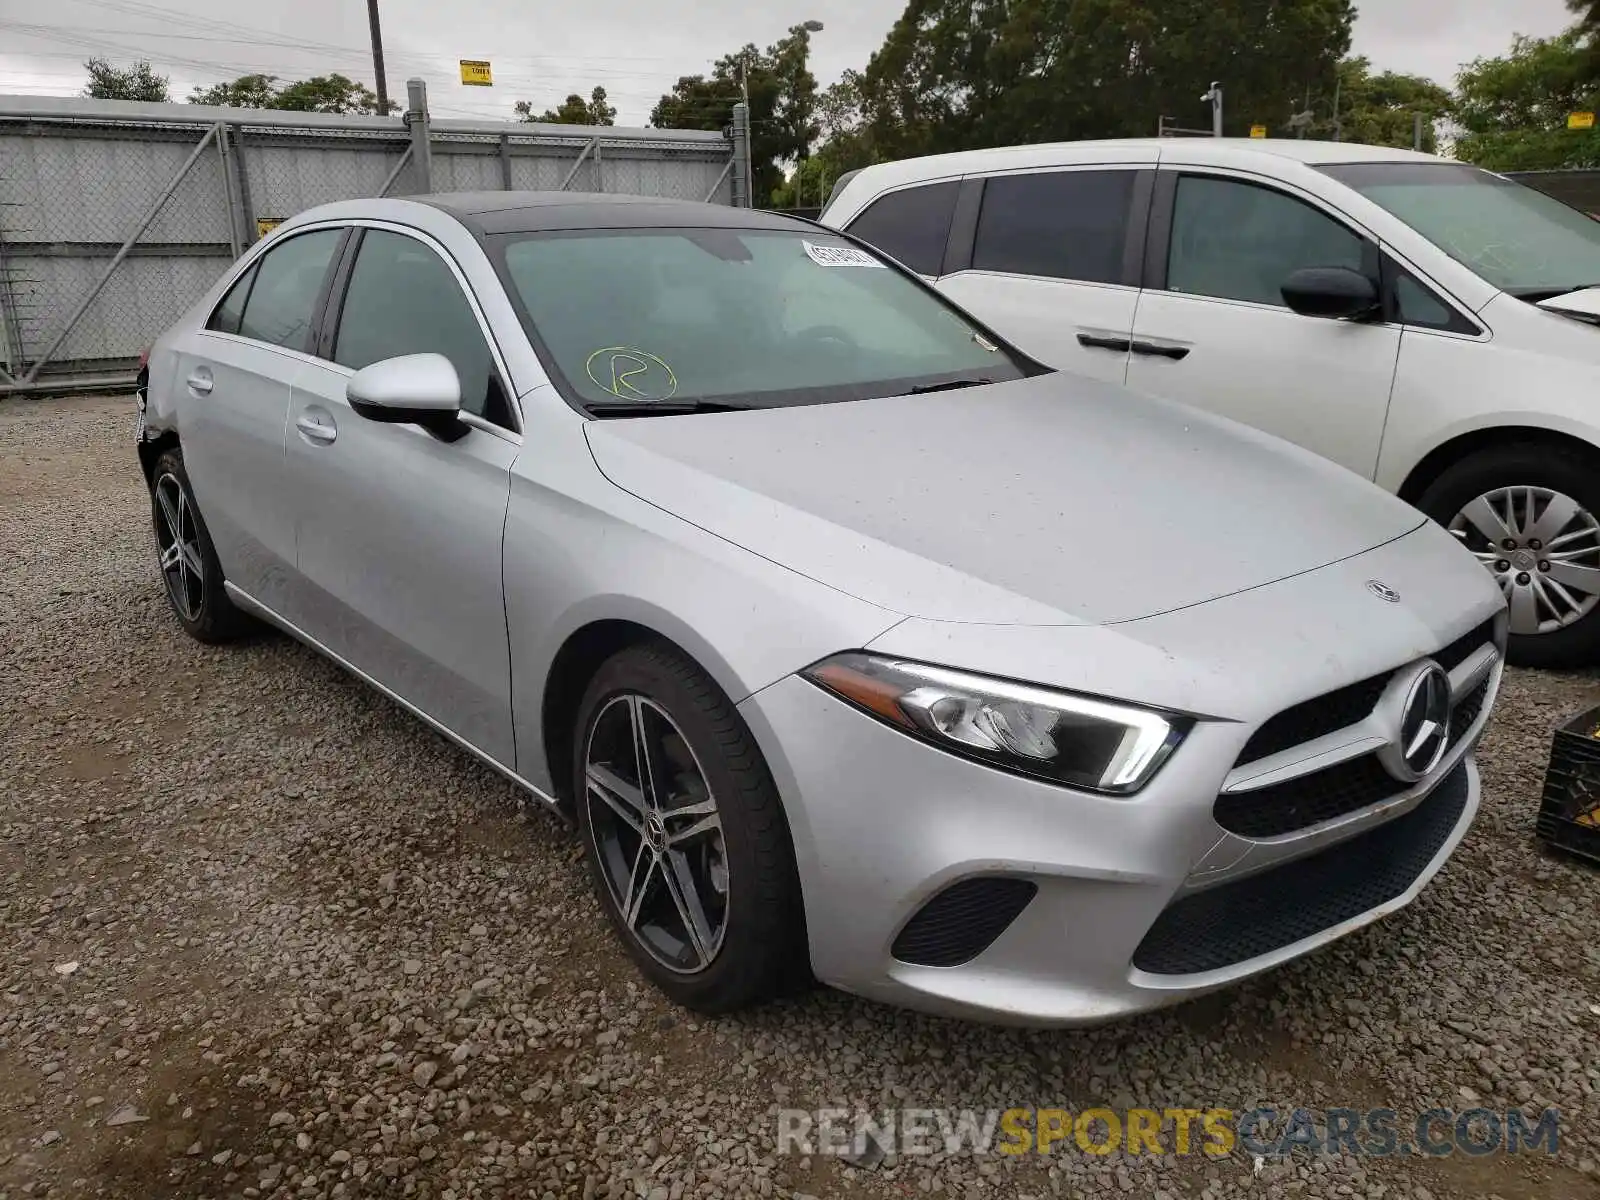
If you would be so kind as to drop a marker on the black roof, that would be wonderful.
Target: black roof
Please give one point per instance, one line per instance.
(528, 212)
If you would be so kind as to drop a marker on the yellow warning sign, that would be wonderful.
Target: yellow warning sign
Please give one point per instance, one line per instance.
(1580, 120)
(1258, 131)
(265, 225)
(475, 73)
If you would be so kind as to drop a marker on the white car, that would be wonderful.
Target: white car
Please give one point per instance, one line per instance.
(1422, 322)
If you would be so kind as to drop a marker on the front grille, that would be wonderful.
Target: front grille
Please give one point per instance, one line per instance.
(962, 921)
(1235, 922)
(1312, 718)
(1467, 709)
(1457, 652)
(1306, 800)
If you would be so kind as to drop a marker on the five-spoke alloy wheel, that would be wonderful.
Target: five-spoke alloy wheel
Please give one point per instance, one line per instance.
(685, 836)
(187, 558)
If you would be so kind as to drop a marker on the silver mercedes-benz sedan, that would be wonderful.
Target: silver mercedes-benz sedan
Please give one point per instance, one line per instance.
(859, 646)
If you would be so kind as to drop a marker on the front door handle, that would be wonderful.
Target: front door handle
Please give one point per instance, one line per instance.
(200, 381)
(314, 430)
(1161, 350)
(1100, 341)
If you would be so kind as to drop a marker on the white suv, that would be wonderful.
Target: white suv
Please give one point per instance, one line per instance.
(1417, 320)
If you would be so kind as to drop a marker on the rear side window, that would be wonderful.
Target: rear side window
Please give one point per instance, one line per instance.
(283, 303)
(1061, 224)
(911, 225)
(226, 318)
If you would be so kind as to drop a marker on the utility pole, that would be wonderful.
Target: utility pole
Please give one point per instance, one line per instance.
(1214, 98)
(377, 58)
(1337, 82)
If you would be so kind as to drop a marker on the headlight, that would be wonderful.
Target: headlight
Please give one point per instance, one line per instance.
(1079, 741)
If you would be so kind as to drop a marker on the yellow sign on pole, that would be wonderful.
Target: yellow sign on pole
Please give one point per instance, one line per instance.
(1258, 131)
(1580, 120)
(475, 73)
(265, 225)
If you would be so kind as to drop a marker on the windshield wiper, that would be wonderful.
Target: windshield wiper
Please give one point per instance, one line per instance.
(1535, 294)
(658, 408)
(948, 385)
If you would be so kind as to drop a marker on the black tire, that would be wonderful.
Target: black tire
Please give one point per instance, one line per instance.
(1558, 468)
(211, 616)
(762, 952)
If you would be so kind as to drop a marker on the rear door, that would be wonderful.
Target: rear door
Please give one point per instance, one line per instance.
(1213, 331)
(399, 533)
(1051, 259)
(233, 379)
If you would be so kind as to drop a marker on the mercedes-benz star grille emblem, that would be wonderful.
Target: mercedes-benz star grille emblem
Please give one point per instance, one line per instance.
(1383, 591)
(1423, 733)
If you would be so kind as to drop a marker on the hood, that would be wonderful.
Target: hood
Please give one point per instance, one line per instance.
(1050, 500)
(1583, 304)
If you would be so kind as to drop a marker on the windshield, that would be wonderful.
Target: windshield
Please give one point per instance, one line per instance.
(1519, 239)
(736, 317)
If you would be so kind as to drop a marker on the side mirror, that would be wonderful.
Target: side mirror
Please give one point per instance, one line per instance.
(1338, 293)
(413, 389)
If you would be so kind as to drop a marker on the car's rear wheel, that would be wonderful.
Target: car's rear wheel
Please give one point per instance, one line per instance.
(1531, 515)
(187, 558)
(685, 836)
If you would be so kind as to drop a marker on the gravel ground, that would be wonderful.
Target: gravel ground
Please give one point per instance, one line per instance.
(265, 935)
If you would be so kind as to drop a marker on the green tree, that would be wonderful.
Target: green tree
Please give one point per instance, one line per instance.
(783, 104)
(574, 110)
(329, 94)
(322, 93)
(137, 82)
(1379, 110)
(247, 91)
(959, 74)
(1512, 111)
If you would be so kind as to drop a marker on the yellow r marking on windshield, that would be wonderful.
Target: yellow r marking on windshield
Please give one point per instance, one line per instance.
(619, 379)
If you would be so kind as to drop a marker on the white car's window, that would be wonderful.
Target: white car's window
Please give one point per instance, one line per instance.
(403, 299)
(737, 316)
(289, 279)
(1060, 224)
(911, 225)
(228, 313)
(1239, 241)
(1517, 238)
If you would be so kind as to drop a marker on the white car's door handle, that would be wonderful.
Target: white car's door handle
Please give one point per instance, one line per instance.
(200, 381)
(316, 431)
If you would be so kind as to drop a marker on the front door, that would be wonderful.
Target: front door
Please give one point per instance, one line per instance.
(398, 532)
(1214, 331)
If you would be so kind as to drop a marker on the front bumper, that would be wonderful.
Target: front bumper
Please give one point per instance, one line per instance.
(884, 823)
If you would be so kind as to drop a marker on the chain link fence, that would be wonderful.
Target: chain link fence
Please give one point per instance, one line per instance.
(116, 217)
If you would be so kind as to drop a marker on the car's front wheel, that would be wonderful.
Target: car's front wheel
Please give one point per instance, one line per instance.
(685, 836)
(1531, 515)
(187, 558)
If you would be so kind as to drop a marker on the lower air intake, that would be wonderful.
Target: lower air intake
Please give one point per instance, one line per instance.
(962, 921)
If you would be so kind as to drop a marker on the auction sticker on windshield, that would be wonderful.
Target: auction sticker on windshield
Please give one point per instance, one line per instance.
(839, 256)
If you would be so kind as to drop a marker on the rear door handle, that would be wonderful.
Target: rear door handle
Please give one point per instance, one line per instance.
(316, 431)
(1104, 341)
(201, 381)
(1161, 349)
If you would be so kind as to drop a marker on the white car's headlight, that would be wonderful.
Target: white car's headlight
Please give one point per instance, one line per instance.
(1078, 741)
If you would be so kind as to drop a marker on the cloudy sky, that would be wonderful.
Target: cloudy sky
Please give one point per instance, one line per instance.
(540, 52)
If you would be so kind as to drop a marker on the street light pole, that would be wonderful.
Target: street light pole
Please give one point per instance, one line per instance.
(382, 88)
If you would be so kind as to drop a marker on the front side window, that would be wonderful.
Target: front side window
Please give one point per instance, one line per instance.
(1060, 224)
(1516, 238)
(283, 301)
(403, 299)
(911, 225)
(747, 318)
(1239, 241)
